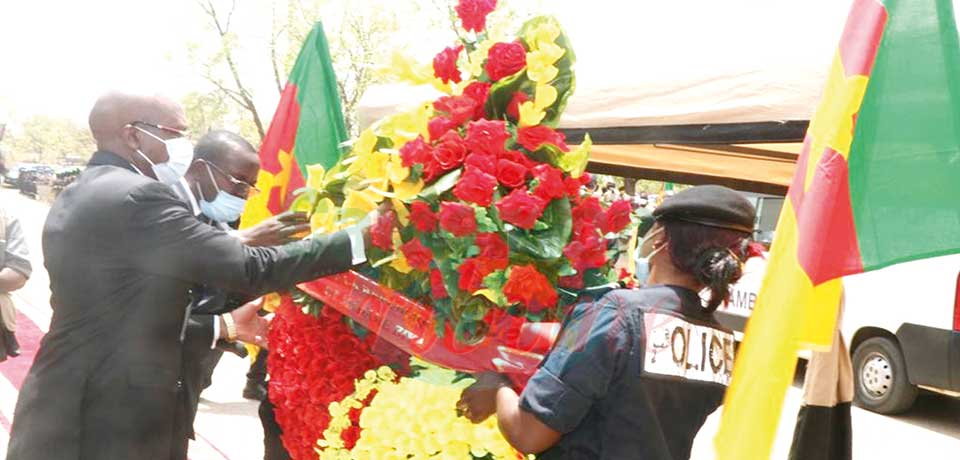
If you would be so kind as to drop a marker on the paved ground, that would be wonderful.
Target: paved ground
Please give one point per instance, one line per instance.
(228, 427)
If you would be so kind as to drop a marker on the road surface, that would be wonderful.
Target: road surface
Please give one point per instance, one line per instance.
(228, 428)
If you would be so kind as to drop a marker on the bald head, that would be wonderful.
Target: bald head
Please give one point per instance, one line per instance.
(113, 111)
(111, 118)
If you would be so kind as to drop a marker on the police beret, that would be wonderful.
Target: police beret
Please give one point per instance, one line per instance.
(710, 205)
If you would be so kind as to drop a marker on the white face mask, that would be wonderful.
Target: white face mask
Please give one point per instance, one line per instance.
(643, 260)
(225, 207)
(179, 153)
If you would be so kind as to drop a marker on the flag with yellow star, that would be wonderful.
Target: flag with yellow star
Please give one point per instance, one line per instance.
(876, 184)
(307, 129)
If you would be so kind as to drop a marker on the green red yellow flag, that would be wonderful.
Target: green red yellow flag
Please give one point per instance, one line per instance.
(875, 184)
(307, 129)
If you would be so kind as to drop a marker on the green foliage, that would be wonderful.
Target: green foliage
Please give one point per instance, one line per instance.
(546, 244)
(45, 139)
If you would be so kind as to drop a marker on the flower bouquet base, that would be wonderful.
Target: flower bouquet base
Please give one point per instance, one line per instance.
(514, 347)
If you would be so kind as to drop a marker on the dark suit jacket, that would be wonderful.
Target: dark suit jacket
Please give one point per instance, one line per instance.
(122, 252)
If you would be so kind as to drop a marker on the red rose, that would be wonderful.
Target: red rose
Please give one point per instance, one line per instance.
(431, 169)
(511, 174)
(439, 126)
(350, 436)
(475, 186)
(445, 65)
(450, 151)
(532, 137)
(571, 282)
(457, 218)
(418, 255)
(585, 178)
(437, 288)
(422, 216)
(572, 187)
(478, 91)
(415, 152)
(589, 210)
(505, 59)
(583, 228)
(616, 217)
(492, 246)
(513, 107)
(487, 137)
(485, 163)
(460, 109)
(521, 209)
(473, 13)
(517, 156)
(586, 253)
(473, 270)
(529, 287)
(471, 275)
(381, 232)
(549, 182)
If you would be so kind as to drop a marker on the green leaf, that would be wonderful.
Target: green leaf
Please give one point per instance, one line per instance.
(485, 223)
(545, 244)
(502, 91)
(441, 186)
(550, 154)
(540, 225)
(566, 269)
(306, 199)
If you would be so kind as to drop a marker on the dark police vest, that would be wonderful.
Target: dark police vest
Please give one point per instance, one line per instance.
(632, 376)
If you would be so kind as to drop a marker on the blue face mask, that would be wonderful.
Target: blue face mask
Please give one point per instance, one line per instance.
(642, 261)
(225, 207)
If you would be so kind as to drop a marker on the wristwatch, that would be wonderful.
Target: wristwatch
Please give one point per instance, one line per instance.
(231, 327)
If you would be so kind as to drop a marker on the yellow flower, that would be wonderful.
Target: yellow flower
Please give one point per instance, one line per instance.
(395, 169)
(575, 161)
(539, 71)
(476, 58)
(414, 419)
(546, 32)
(530, 115)
(324, 216)
(544, 96)
(315, 176)
(359, 203)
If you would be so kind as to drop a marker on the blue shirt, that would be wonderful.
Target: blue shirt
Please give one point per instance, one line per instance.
(632, 376)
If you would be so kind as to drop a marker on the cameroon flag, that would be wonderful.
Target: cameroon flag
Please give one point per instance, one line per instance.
(877, 183)
(307, 129)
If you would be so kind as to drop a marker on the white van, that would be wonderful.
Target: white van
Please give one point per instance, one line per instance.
(902, 323)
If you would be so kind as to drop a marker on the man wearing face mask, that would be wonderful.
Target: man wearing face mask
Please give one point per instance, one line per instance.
(216, 186)
(123, 251)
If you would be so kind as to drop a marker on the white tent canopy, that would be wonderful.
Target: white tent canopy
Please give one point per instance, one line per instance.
(655, 63)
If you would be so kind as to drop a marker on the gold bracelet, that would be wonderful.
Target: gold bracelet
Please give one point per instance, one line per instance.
(231, 327)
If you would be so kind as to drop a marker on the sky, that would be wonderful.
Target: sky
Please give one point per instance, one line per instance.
(59, 55)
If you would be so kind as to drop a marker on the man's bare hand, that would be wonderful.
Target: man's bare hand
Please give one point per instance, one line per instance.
(251, 327)
(479, 401)
(277, 230)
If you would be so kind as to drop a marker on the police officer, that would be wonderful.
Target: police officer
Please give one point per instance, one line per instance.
(635, 374)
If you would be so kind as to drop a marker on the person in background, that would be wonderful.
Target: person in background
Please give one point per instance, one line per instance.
(15, 269)
(216, 186)
(123, 252)
(621, 382)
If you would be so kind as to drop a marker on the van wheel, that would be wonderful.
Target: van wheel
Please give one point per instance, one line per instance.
(880, 377)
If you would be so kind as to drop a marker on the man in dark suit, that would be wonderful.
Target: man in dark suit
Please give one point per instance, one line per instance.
(222, 162)
(123, 251)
